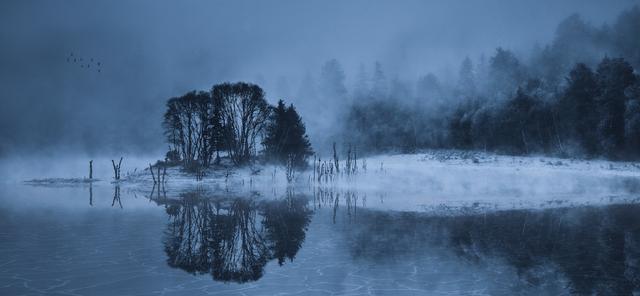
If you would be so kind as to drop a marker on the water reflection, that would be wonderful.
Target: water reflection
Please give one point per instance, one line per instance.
(156, 190)
(323, 197)
(116, 196)
(596, 250)
(233, 238)
(584, 249)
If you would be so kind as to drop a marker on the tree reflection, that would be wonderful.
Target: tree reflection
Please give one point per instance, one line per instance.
(186, 244)
(329, 197)
(239, 248)
(286, 223)
(233, 238)
(116, 196)
(597, 249)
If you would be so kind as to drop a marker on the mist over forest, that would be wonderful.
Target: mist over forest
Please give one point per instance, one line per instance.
(439, 76)
(342, 147)
(578, 95)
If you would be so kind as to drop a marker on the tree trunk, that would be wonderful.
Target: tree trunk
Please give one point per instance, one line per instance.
(152, 176)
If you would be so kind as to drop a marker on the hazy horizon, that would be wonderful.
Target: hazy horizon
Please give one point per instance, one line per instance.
(151, 51)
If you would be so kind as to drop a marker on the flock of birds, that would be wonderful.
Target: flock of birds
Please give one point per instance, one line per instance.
(90, 63)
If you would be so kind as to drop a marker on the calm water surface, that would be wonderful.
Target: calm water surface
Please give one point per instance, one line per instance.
(106, 240)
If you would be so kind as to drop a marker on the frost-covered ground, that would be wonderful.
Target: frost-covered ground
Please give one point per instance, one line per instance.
(438, 181)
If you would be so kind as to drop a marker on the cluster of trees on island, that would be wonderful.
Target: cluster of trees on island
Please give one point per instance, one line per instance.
(232, 118)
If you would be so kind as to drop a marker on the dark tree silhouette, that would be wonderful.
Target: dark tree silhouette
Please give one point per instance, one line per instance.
(286, 136)
(243, 115)
(613, 76)
(576, 111)
(596, 114)
(626, 26)
(632, 119)
(189, 127)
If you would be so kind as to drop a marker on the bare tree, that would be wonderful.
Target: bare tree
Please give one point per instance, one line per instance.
(243, 112)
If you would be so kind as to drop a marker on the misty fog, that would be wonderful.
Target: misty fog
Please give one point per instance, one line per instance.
(330, 147)
(151, 51)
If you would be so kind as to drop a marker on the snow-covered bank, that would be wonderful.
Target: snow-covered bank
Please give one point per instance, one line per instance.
(438, 181)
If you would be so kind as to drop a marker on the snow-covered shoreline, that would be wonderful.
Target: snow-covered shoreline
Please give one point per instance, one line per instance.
(436, 181)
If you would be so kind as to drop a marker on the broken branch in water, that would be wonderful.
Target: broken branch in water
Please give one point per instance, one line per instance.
(152, 176)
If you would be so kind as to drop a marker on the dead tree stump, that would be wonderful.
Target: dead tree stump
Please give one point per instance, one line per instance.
(116, 168)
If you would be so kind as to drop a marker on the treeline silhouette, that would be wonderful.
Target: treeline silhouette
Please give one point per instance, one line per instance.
(596, 114)
(232, 118)
(577, 96)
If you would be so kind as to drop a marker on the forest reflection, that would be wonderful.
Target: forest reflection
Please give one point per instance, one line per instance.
(588, 249)
(594, 250)
(233, 238)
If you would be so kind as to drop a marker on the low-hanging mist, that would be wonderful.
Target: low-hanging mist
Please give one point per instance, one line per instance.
(151, 51)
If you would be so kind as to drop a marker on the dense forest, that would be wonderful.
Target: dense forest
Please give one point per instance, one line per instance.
(578, 96)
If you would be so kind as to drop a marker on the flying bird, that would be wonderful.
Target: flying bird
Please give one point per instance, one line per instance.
(81, 61)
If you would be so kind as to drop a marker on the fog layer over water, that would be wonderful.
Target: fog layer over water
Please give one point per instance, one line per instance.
(84, 81)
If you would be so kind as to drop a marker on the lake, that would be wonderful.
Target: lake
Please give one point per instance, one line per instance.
(105, 239)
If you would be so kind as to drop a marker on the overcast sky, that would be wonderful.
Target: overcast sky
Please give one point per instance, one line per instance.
(152, 50)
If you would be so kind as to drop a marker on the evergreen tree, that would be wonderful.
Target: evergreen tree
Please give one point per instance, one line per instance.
(613, 76)
(576, 110)
(361, 87)
(632, 119)
(466, 79)
(332, 79)
(506, 73)
(625, 35)
(516, 123)
(286, 136)
(379, 82)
